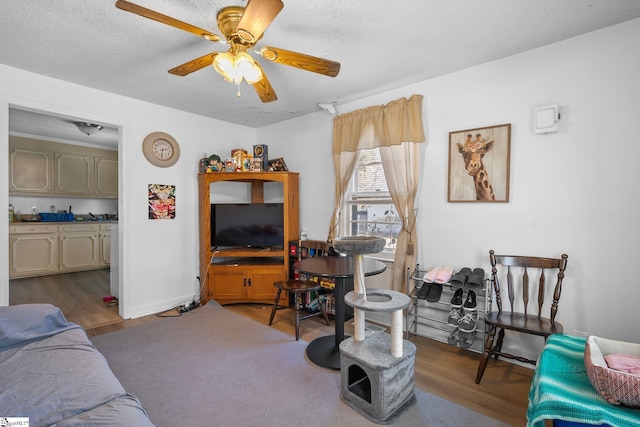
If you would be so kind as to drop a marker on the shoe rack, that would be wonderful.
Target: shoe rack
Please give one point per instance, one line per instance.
(429, 319)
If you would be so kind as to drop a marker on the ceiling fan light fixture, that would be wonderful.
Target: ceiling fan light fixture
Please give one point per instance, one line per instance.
(235, 68)
(246, 67)
(88, 128)
(223, 63)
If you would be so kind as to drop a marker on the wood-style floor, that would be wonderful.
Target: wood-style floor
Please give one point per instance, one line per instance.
(443, 370)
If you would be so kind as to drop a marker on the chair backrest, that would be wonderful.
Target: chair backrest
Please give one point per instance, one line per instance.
(523, 263)
(312, 248)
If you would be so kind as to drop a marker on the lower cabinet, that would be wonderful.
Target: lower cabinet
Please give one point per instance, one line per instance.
(41, 249)
(33, 250)
(79, 247)
(105, 245)
(229, 283)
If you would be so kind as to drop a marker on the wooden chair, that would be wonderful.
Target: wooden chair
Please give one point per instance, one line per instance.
(298, 287)
(533, 324)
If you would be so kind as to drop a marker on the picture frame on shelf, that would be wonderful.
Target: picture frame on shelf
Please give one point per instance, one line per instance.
(256, 164)
(278, 165)
(479, 164)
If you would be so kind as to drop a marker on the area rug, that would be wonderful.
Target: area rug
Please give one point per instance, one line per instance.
(214, 367)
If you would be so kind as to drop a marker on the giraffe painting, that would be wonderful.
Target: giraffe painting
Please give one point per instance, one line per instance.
(472, 153)
(479, 164)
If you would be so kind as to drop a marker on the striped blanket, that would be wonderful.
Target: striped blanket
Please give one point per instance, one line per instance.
(561, 390)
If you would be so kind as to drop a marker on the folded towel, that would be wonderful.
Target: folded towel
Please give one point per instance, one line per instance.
(444, 275)
(431, 275)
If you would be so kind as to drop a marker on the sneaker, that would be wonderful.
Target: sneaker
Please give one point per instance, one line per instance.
(468, 322)
(456, 301)
(455, 316)
(454, 337)
(470, 303)
(466, 339)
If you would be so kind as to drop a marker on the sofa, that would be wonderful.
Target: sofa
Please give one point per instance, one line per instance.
(51, 373)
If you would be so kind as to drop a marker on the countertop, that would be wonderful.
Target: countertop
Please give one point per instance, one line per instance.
(105, 221)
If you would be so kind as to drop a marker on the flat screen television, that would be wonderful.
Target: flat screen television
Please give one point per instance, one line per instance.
(247, 225)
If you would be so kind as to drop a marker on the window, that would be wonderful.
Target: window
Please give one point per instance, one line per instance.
(368, 208)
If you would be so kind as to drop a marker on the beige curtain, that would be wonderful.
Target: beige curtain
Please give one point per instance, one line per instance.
(396, 128)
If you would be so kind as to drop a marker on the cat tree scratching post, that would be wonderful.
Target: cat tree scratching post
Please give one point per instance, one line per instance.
(377, 374)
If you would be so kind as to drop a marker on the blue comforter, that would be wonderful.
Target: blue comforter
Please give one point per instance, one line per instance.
(52, 374)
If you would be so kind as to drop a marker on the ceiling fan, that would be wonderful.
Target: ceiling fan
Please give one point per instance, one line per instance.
(241, 27)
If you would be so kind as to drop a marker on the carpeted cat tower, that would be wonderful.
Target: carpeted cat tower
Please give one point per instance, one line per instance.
(376, 368)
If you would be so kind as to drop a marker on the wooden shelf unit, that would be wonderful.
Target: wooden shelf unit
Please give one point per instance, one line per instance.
(246, 274)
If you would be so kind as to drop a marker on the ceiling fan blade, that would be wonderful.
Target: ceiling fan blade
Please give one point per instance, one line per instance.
(148, 13)
(256, 18)
(264, 89)
(300, 60)
(194, 65)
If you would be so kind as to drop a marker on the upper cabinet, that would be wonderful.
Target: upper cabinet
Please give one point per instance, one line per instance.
(30, 171)
(74, 174)
(46, 168)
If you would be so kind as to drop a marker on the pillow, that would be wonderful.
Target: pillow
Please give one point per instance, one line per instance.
(24, 323)
(615, 386)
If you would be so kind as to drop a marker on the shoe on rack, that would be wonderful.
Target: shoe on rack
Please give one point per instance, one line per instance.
(468, 322)
(423, 291)
(430, 276)
(444, 275)
(434, 292)
(476, 278)
(456, 301)
(454, 337)
(470, 303)
(466, 339)
(459, 279)
(455, 316)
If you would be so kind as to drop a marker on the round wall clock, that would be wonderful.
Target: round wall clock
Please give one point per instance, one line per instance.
(161, 149)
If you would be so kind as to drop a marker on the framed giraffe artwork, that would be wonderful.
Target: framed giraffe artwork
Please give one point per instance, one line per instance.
(479, 164)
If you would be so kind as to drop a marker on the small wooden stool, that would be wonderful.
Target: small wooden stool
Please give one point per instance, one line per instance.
(297, 288)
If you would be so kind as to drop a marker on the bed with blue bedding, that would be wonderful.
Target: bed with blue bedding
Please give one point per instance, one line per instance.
(51, 373)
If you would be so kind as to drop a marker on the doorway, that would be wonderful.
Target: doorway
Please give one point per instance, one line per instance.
(78, 294)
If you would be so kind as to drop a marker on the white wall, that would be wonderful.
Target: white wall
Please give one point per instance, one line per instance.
(305, 145)
(159, 258)
(571, 192)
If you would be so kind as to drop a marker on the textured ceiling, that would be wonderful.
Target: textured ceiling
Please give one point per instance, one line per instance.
(381, 45)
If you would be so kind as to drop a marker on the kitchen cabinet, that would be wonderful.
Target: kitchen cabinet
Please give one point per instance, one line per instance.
(105, 245)
(106, 177)
(79, 247)
(74, 174)
(40, 248)
(30, 171)
(33, 250)
(46, 168)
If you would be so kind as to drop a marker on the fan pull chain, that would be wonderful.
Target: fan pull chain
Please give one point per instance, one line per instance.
(238, 94)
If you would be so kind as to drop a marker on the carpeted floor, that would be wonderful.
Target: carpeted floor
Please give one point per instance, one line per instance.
(213, 367)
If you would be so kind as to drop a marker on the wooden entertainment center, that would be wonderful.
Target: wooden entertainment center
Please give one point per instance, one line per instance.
(246, 274)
